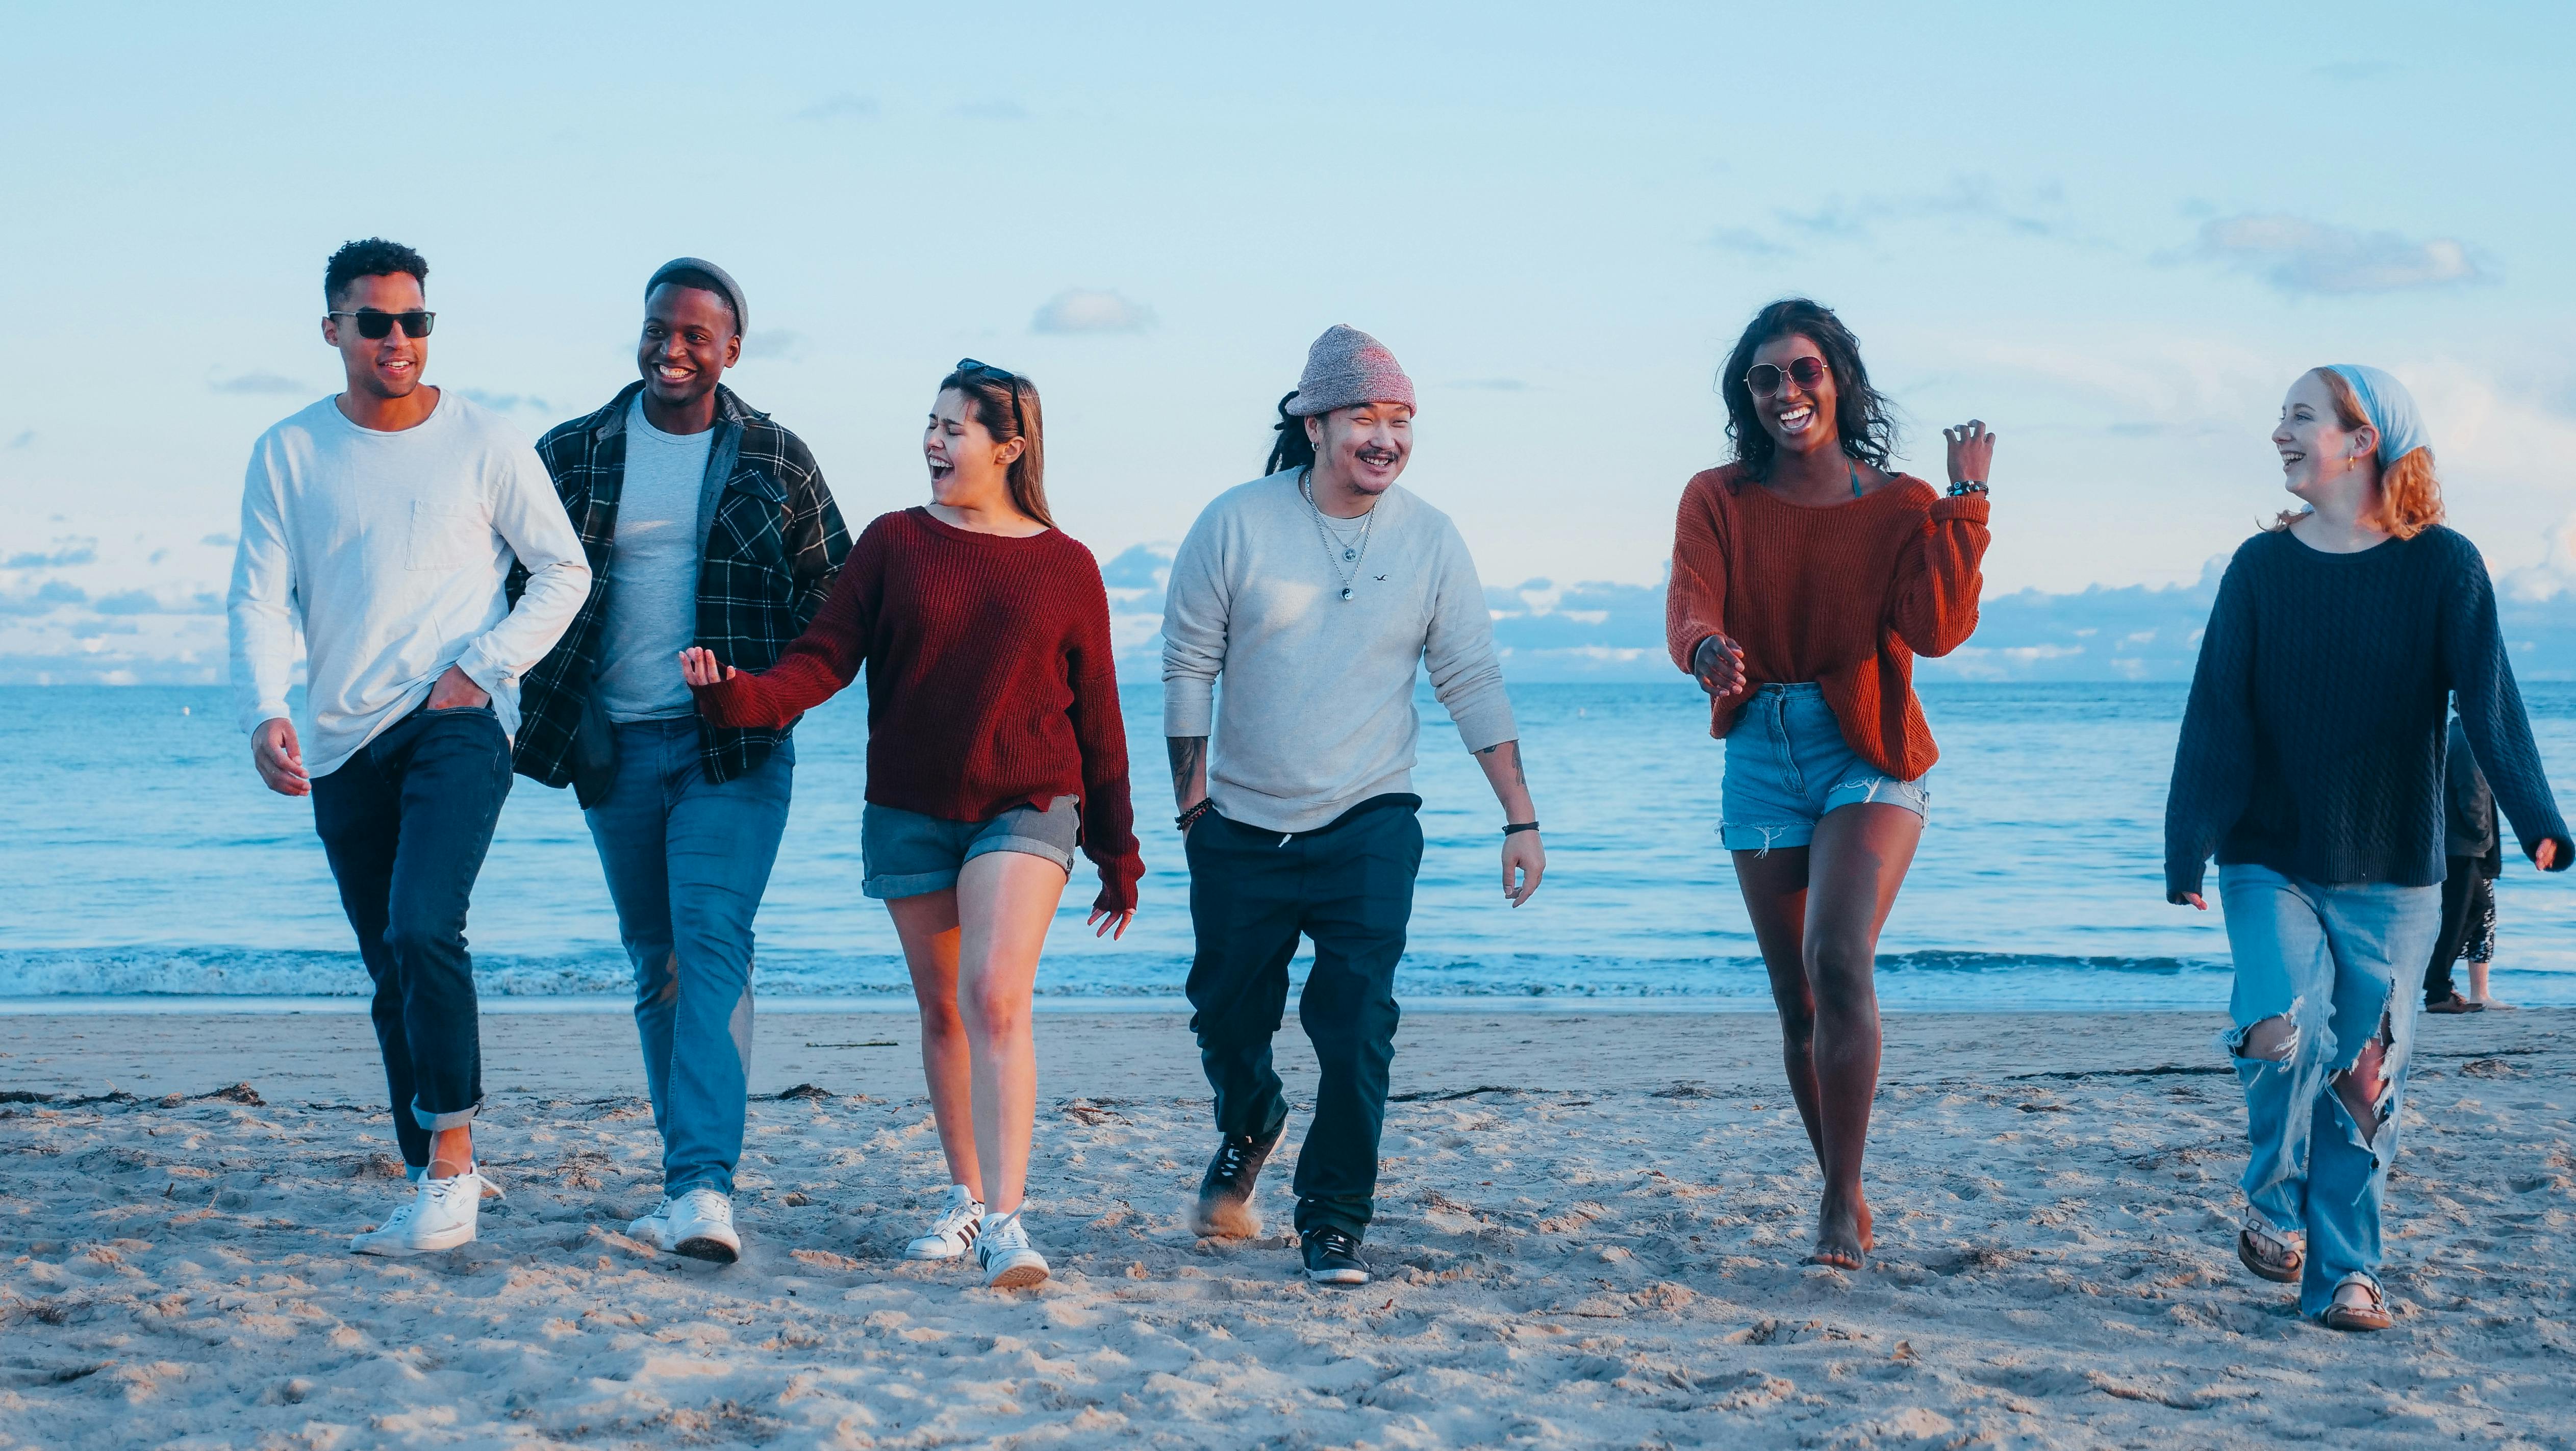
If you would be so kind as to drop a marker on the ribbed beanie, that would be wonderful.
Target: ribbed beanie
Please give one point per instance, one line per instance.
(732, 289)
(1346, 368)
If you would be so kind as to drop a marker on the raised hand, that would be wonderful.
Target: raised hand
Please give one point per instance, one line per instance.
(1718, 665)
(699, 666)
(1972, 452)
(278, 759)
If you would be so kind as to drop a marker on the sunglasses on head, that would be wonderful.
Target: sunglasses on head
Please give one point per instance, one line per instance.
(1006, 378)
(374, 324)
(1764, 378)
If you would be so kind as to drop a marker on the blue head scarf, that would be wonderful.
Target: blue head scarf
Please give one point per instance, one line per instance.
(2390, 409)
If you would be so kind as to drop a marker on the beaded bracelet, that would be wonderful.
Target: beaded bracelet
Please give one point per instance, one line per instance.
(1963, 489)
(1190, 818)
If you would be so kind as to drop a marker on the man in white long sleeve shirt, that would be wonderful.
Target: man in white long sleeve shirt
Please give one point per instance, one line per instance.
(1317, 593)
(381, 525)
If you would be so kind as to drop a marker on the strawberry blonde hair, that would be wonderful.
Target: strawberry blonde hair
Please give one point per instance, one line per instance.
(2410, 494)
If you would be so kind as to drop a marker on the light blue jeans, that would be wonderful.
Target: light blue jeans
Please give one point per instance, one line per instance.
(687, 860)
(2338, 962)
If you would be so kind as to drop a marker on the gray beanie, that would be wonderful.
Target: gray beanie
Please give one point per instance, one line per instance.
(1346, 368)
(732, 289)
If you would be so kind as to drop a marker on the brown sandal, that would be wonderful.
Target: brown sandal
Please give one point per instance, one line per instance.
(2371, 1316)
(2456, 1004)
(2269, 1255)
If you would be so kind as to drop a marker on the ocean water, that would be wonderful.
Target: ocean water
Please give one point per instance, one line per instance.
(144, 861)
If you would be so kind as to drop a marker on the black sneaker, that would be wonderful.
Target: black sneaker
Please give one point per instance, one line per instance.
(1333, 1258)
(1225, 1191)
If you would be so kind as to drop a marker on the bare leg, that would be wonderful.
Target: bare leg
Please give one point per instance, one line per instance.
(451, 1151)
(1851, 874)
(1005, 902)
(1774, 884)
(2361, 1086)
(2478, 983)
(927, 925)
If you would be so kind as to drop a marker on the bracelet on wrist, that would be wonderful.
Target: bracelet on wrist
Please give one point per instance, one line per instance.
(1511, 827)
(1966, 487)
(1190, 818)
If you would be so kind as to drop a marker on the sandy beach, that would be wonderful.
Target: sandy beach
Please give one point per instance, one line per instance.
(1589, 1234)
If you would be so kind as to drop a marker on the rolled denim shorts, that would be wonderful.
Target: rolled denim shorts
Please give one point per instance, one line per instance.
(904, 853)
(1787, 764)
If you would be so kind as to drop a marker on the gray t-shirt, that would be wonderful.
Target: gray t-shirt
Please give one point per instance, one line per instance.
(653, 573)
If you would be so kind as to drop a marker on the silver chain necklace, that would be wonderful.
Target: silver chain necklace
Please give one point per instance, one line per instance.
(1334, 555)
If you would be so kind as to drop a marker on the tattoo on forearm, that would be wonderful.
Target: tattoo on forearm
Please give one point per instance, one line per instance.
(1511, 752)
(1189, 755)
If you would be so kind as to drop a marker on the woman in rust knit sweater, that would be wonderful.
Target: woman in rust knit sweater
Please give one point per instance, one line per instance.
(995, 748)
(1806, 578)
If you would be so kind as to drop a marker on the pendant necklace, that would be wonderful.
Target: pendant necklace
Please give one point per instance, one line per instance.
(1337, 555)
(1855, 477)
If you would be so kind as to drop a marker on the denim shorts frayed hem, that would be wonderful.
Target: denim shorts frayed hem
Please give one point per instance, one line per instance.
(906, 854)
(1788, 767)
(1872, 790)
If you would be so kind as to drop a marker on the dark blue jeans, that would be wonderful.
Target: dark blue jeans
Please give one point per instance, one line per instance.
(1349, 886)
(406, 822)
(687, 860)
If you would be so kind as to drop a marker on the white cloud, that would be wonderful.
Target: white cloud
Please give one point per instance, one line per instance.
(1092, 310)
(2295, 254)
(847, 106)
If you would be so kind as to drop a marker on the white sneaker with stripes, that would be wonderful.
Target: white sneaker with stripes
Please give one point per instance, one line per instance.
(953, 1232)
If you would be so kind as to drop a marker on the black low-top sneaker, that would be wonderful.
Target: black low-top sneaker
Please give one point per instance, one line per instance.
(1225, 1191)
(1333, 1258)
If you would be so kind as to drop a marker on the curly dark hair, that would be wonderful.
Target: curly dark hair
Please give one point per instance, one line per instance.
(1863, 418)
(373, 257)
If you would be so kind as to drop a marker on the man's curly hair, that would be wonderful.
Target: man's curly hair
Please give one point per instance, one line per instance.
(374, 257)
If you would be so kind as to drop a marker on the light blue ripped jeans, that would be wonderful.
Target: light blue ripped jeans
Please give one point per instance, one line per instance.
(2338, 962)
(1787, 764)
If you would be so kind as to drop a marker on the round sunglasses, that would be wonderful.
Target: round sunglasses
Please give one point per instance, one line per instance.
(1764, 378)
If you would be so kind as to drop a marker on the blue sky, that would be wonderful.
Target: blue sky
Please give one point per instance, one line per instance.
(2115, 233)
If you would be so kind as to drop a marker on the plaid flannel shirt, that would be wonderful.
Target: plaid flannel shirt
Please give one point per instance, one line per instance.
(773, 542)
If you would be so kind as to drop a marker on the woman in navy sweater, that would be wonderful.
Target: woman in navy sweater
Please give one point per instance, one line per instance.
(2311, 765)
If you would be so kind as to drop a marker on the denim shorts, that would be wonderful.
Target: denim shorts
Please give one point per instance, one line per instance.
(904, 853)
(1787, 764)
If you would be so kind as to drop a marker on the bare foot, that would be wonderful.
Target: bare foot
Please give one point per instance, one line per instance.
(1844, 1235)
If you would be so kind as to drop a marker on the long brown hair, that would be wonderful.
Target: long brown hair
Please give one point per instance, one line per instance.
(1007, 405)
(2410, 494)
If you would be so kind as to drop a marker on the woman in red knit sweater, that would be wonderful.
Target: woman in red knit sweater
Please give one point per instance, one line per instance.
(1806, 577)
(995, 748)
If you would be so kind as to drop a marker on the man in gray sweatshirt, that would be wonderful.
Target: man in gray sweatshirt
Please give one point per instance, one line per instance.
(1318, 593)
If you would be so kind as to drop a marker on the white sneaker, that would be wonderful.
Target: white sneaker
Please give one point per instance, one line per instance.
(953, 1232)
(441, 1215)
(698, 1224)
(1009, 1261)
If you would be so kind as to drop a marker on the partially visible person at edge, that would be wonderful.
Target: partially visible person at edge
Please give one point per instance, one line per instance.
(383, 525)
(706, 524)
(2472, 859)
(2311, 764)
(1806, 577)
(1317, 593)
(995, 749)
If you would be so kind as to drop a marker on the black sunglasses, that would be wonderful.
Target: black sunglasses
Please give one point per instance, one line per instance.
(1008, 379)
(374, 324)
(1764, 378)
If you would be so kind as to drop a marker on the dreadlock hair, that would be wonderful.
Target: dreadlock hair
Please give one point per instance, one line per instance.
(1292, 449)
(1864, 421)
(1007, 405)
